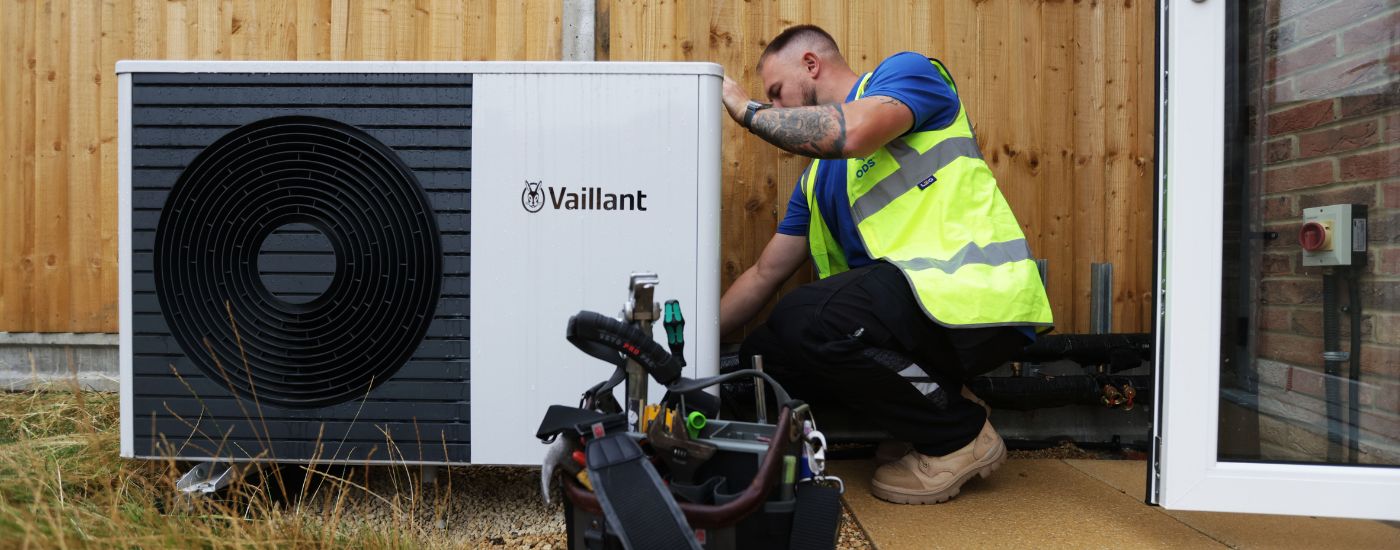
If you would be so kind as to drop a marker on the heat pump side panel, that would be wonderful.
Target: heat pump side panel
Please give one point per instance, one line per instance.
(622, 173)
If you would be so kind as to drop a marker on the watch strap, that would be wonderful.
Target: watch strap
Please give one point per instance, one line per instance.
(753, 108)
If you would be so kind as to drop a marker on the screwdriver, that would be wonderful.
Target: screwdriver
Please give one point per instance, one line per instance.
(675, 329)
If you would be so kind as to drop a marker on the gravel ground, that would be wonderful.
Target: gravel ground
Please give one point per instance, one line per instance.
(1065, 450)
(852, 537)
(476, 507)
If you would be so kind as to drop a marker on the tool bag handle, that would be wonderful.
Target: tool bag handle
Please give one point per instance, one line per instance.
(686, 385)
(614, 342)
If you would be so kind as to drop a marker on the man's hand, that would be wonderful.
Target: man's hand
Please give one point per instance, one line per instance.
(783, 255)
(735, 100)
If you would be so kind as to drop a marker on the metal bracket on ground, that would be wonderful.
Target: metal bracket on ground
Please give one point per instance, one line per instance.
(206, 478)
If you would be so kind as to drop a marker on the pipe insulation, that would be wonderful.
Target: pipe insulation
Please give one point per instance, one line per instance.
(1023, 393)
(1332, 366)
(1354, 388)
(1119, 351)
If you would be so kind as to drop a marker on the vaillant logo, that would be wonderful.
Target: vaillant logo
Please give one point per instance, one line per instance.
(533, 196)
(536, 196)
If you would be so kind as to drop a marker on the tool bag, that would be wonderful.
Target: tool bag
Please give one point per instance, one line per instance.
(726, 485)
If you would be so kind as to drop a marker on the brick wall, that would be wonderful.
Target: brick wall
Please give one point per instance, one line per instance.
(1325, 129)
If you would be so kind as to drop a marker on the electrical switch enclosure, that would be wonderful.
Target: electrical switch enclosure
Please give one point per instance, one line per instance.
(1334, 235)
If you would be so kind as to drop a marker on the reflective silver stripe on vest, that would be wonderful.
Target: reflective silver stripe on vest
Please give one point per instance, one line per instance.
(993, 254)
(914, 169)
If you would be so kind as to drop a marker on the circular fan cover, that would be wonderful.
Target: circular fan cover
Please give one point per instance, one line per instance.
(388, 262)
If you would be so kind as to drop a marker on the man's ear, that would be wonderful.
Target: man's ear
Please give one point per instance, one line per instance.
(811, 64)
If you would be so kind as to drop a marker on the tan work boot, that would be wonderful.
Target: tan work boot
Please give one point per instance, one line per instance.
(921, 479)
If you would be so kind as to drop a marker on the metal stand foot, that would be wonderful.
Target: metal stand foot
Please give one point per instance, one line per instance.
(206, 478)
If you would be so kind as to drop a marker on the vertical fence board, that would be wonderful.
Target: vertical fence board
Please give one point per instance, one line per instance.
(51, 165)
(17, 291)
(440, 39)
(116, 30)
(315, 21)
(1143, 18)
(1090, 213)
(510, 31)
(85, 204)
(1118, 164)
(340, 29)
(1054, 230)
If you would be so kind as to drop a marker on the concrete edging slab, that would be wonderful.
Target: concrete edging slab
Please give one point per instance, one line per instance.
(30, 360)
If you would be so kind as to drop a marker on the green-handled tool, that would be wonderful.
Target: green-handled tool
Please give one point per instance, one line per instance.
(675, 329)
(694, 422)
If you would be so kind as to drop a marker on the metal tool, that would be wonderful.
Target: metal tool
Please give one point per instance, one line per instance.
(759, 399)
(641, 310)
(694, 422)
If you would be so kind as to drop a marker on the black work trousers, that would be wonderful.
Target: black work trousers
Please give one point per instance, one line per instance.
(833, 340)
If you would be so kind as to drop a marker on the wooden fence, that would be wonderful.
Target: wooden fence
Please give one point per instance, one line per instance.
(1061, 93)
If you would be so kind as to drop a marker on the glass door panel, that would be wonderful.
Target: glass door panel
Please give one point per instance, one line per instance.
(1279, 257)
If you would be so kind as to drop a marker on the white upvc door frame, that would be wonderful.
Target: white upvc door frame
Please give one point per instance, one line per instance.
(1186, 474)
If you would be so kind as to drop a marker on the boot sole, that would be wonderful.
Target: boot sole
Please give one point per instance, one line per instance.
(898, 495)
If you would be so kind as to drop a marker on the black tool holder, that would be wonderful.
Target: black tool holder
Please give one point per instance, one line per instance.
(730, 482)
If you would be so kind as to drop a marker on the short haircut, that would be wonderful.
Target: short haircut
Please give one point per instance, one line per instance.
(813, 33)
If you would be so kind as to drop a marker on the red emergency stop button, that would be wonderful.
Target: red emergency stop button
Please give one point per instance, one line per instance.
(1313, 237)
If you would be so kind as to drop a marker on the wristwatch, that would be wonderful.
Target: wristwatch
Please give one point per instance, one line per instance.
(754, 107)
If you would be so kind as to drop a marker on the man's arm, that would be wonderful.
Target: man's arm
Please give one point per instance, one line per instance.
(855, 129)
(783, 255)
(833, 131)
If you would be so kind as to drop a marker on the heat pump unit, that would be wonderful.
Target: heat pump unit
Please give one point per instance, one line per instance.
(374, 262)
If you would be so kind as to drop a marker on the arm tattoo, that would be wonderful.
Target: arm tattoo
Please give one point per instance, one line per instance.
(818, 132)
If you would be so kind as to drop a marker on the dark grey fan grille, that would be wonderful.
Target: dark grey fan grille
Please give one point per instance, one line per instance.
(355, 190)
(413, 406)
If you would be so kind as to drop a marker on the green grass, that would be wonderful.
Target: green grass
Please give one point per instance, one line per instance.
(63, 485)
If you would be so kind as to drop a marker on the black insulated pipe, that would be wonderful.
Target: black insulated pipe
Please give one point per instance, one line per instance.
(1023, 393)
(1332, 366)
(1119, 351)
(1354, 389)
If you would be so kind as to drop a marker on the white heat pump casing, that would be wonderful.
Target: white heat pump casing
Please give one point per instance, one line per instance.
(620, 128)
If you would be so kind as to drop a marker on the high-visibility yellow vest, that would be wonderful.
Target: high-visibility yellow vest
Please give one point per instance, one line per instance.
(927, 203)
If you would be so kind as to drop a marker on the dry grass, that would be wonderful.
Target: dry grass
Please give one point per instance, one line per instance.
(62, 485)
